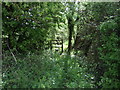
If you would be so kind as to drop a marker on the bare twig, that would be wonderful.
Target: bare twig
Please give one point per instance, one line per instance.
(12, 53)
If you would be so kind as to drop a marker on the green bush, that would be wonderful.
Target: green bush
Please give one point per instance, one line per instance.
(110, 54)
(47, 70)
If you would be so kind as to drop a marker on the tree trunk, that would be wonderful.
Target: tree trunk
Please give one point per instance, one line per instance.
(70, 28)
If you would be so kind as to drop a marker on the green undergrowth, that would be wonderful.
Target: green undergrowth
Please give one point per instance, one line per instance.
(46, 70)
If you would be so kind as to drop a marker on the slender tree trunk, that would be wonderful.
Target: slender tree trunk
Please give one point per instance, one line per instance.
(70, 28)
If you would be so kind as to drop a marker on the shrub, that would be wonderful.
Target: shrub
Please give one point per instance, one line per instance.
(47, 70)
(110, 54)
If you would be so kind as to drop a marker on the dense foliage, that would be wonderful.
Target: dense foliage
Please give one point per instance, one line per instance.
(29, 28)
(110, 53)
(48, 70)
(90, 35)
